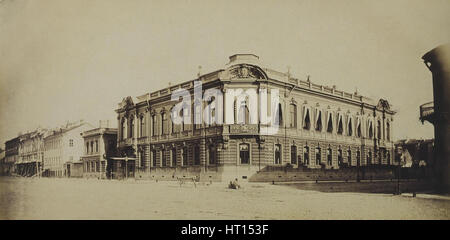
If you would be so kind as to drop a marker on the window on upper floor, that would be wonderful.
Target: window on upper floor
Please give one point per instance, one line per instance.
(340, 128)
(292, 115)
(388, 131)
(165, 124)
(123, 129)
(370, 130)
(350, 127)
(319, 121)
(330, 124)
(307, 121)
(154, 125)
(142, 126)
(70, 142)
(131, 128)
(379, 129)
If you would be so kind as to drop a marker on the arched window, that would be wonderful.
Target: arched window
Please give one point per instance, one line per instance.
(292, 115)
(142, 126)
(307, 121)
(379, 129)
(197, 115)
(154, 125)
(182, 117)
(358, 130)
(277, 153)
(306, 155)
(165, 124)
(123, 129)
(370, 130)
(279, 116)
(330, 124)
(318, 155)
(319, 121)
(131, 132)
(340, 129)
(388, 131)
(329, 157)
(350, 127)
(243, 113)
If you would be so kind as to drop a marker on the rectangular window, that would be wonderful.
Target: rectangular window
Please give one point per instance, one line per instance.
(196, 155)
(277, 154)
(212, 155)
(164, 124)
(70, 142)
(244, 153)
(163, 158)
(294, 155)
(154, 154)
(174, 157)
(185, 156)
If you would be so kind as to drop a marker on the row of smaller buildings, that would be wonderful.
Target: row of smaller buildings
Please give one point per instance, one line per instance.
(74, 150)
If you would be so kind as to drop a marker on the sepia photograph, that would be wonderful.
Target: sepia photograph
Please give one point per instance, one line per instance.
(224, 110)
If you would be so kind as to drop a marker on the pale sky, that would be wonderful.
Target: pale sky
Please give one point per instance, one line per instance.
(70, 60)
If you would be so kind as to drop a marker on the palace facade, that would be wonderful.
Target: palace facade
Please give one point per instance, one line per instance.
(319, 126)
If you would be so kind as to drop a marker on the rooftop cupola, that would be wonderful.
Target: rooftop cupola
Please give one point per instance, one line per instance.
(243, 58)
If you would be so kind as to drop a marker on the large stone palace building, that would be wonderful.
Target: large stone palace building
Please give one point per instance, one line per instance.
(319, 126)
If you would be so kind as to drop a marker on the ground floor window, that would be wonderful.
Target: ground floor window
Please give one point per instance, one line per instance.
(340, 157)
(174, 157)
(142, 155)
(293, 154)
(369, 158)
(244, 153)
(277, 153)
(318, 155)
(154, 158)
(388, 158)
(185, 156)
(349, 157)
(329, 157)
(358, 158)
(197, 155)
(163, 158)
(306, 155)
(212, 155)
